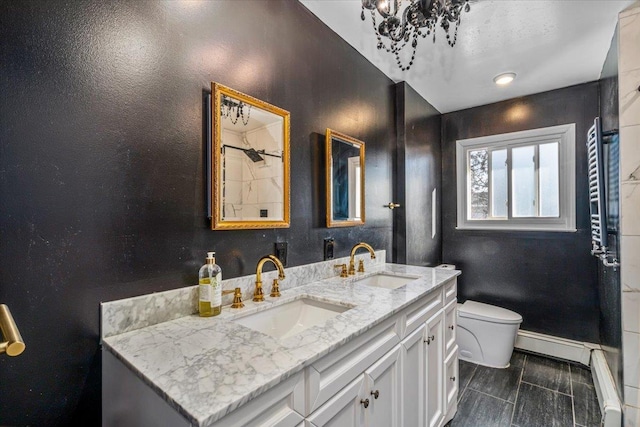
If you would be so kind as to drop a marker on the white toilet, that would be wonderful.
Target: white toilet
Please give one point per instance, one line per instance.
(486, 333)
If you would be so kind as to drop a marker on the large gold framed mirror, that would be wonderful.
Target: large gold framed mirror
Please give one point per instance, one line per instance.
(249, 162)
(344, 157)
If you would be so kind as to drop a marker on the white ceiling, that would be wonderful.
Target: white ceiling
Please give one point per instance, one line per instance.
(550, 44)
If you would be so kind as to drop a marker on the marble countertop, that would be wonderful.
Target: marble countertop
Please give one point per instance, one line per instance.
(207, 367)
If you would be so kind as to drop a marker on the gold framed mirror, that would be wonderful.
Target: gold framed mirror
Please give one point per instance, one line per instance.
(249, 162)
(344, 159)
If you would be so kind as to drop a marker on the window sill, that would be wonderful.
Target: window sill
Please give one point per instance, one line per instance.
(516, 228)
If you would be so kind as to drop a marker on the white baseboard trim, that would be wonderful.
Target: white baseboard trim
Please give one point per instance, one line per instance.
(561, 348)
(587, 354)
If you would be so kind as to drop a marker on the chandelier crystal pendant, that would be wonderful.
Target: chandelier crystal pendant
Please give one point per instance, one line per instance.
(234, 110)
(419, 18)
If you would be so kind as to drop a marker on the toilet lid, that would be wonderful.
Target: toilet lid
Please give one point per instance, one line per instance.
(490, 313)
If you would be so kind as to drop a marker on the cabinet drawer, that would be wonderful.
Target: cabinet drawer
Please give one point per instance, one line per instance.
(450, 290)
(450, 325)
(451, 379)
(420, 311)
(329, 375)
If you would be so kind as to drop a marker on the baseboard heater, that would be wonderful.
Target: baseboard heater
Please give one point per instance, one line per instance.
(587, 354)
(606, 390)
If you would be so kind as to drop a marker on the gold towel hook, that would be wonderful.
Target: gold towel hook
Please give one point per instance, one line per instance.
(14, 345)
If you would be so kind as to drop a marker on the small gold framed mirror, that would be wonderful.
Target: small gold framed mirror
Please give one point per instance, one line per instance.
(344, 159)
(250, 162)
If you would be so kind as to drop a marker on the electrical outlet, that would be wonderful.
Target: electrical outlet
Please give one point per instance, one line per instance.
(328, 248)
(281, 252)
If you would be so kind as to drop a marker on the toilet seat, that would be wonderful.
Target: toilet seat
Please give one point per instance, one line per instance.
(489, 313)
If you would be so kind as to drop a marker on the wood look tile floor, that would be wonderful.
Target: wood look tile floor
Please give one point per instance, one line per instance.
(534, 391)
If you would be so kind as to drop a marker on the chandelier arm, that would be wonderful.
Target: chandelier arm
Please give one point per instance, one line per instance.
(369, 4)
(386, 11)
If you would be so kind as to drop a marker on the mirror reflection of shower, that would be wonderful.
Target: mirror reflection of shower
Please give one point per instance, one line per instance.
(252, 168)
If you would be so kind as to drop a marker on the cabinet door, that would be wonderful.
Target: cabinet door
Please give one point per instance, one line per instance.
(383, 380)
(413, 378)
(450, 321)
(345, 409)
(434, 362)
(451, 379)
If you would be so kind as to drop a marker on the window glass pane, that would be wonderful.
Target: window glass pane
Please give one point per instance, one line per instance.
(523, 177)
(549, 180)
(478, 184)
(499, 185)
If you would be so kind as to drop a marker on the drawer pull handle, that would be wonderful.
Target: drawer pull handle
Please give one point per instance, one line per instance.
(365, 403)
(375, 394)
(453, 379)
(429, 339)
(451, 327)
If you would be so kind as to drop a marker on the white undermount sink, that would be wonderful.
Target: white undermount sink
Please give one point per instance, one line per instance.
(286, 320)
(387, 281)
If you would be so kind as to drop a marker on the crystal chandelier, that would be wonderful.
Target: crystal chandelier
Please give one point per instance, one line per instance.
(234, 110)
(419, 18)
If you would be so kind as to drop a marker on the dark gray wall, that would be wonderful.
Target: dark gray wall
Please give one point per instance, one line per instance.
(418, 172)
(549, 278)
(101, 165)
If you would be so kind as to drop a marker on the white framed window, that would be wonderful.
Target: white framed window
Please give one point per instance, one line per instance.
(518, 181)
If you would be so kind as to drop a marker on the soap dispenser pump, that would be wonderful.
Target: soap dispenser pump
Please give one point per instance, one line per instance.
(210, 287)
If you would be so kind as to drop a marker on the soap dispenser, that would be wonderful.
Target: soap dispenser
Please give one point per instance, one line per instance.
(210, 287)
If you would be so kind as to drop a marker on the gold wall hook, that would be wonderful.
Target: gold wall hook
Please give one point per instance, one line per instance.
(14, 345)
(392, 205)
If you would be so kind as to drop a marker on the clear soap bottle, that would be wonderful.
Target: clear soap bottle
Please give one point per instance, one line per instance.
(210, 287)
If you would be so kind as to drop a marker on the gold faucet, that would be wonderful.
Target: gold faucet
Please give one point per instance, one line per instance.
(352, 266)
(258, 294)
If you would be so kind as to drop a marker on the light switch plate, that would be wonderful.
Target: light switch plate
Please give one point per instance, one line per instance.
(281, 252)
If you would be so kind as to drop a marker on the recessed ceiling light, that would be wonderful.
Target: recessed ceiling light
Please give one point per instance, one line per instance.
(504, 78)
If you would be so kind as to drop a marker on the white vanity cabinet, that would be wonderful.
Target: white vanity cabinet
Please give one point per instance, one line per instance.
(415, 381)
(128, 402)
(402, 372)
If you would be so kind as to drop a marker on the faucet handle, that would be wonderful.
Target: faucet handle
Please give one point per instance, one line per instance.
(361, 266)
(275, 289)
(237, 299)
(343, 272)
